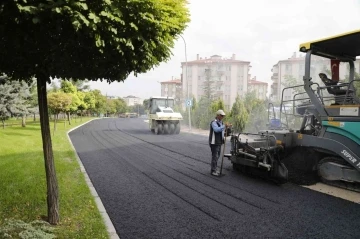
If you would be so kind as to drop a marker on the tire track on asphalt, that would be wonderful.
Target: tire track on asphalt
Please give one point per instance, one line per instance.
(240, 188)
(176, 152)
(154, 180)
(248, 191)
(187, 201)
(193, 178)
(173, 151)
(302, 213)
(157, 169)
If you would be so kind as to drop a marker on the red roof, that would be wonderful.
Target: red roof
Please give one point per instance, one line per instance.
(255, 82)
(204, 61)
(172, 82)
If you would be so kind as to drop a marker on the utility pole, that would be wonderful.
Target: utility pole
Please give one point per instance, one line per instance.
(187, 83)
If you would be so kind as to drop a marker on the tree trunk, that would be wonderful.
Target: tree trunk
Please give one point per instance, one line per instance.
(51, 180)
(55, 117)
(23, 120)
(68, 117)
(3, 123)
(81, 112)
(34, 117)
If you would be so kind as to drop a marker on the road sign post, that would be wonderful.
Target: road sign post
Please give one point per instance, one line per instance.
(188, 103)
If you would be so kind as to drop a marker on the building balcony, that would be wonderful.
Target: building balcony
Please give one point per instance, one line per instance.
(273, 87)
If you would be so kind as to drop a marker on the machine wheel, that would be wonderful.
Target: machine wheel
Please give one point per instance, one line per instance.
(172, 128)
(160, 129)
(166, 128)
(235, 167)
(177, 128)
(338, 183)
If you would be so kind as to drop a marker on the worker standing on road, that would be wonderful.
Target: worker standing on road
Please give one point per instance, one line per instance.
(216, 139)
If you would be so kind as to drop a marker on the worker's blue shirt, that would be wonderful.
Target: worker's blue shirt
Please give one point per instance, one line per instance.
(217, 127)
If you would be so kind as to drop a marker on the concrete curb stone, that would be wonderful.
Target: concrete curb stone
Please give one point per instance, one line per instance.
(109, 225)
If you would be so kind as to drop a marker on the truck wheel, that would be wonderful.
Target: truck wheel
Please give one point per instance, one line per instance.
(160, 129)
(172, 129)
(166, 128)
(177, 128)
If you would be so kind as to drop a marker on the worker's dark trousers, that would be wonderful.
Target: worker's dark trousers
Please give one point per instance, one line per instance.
(215, 154)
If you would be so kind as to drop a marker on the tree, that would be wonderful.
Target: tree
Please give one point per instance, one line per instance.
(19, 106)
(80, 85)
(290, 81)
(100, 102)
(216, 105)
(14, 96)
(73, 107)
(68, 87)
(209, 84)
(82, 104)
(146, 103)
(89, 100)
(239, 115)
(32, 100)
(138, 108)
(356, 83)
(59, 102)
(257, 113)
(5, 90)
(98, 39)
(120, 105)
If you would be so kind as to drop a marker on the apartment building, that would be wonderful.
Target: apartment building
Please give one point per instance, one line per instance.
(172, 88)
(223, 78)
(258, 87)
(285, 71)
(132, 100)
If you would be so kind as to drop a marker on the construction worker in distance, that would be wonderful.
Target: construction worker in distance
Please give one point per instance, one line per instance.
(216, 139)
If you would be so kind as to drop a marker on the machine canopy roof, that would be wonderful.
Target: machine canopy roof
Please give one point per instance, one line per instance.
(343, 47)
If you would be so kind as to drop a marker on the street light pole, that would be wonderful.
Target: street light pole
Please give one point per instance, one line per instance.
(187, 83)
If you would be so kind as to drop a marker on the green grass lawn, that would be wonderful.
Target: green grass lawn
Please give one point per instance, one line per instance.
(23, 182)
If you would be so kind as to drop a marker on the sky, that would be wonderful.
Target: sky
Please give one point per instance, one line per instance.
(260, 31)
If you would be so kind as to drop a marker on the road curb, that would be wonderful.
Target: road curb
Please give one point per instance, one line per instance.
(109, 225)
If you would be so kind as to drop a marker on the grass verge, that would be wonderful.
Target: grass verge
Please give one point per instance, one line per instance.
(23, 181)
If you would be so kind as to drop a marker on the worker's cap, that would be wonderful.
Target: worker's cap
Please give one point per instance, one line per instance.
(220, 112)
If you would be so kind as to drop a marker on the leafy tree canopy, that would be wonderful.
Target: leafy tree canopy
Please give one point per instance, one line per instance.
(98, 39)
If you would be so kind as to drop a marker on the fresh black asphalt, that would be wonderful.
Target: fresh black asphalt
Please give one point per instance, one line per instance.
(159, 186)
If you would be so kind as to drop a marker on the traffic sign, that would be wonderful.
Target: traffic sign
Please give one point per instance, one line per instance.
(188, 103)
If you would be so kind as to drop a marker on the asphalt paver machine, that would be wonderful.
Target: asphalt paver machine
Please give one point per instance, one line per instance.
(327, 143)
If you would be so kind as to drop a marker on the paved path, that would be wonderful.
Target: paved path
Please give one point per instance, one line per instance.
(159, 186)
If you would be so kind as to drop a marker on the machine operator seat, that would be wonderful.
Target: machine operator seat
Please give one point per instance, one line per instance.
(335, 90)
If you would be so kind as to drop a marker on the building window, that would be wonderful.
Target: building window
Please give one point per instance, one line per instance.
(288, 68)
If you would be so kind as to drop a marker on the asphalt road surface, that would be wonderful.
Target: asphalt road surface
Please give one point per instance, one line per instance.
(159, 186)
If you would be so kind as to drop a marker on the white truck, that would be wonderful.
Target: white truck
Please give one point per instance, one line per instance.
(162, 118)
